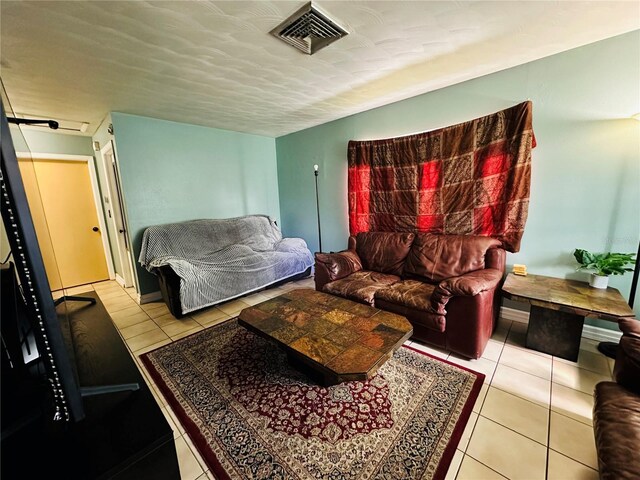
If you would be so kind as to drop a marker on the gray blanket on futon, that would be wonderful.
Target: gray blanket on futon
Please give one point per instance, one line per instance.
(218, 260)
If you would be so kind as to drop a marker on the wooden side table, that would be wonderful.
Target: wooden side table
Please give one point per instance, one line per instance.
(558, 309)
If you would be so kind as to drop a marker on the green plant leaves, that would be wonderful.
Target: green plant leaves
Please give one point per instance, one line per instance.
(604, 263)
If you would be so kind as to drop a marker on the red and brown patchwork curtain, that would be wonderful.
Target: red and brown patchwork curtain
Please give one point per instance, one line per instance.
(470, 178)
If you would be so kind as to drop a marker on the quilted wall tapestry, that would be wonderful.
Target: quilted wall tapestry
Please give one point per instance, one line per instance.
(470, 178)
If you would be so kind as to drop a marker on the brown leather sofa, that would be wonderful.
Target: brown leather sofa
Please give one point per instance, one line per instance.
(448, 286)
(616, 410)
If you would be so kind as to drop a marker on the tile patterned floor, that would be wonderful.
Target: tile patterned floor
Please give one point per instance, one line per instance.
(532, 419)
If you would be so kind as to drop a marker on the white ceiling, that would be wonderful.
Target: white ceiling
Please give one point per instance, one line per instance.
(215, 64)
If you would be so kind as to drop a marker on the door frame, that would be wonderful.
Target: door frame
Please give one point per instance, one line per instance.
(117, 206)
(88, 159)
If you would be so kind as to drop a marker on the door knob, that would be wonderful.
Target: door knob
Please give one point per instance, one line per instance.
(120, 231)
(95, 229)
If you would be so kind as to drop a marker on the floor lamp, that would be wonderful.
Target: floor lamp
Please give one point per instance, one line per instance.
(315, 171)
(610, 349)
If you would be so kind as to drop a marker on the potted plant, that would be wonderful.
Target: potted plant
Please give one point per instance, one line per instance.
(603, 264)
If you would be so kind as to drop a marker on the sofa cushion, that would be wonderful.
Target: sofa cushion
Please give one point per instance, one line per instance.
(427, 326)
(360, 286)
(437, 257)
(383, 251)
(410, 293)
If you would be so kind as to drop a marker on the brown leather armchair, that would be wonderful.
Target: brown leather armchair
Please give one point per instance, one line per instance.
(616, 410)
(448, 286)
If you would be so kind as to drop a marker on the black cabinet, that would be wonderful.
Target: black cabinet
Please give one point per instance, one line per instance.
(124, 434)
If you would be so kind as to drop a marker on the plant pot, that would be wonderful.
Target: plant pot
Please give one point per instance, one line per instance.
(598, 281)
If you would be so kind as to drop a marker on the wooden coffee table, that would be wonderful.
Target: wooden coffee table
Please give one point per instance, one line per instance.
(331, 339)
(558, 309)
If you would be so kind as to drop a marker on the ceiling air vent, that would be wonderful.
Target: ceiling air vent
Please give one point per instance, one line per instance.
(309, 30)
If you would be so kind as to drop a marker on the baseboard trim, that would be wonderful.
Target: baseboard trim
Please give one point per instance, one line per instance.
(601, 334)
(588, 331)
(120, 281)
(514, 315)
(149, 297)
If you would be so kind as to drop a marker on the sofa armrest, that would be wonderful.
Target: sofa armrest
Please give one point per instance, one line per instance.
(616, 431)
(471, 283)
(334, 266)
(627, 367)
(496, 258)
(630, 327)
(467, 285)
(169, 282)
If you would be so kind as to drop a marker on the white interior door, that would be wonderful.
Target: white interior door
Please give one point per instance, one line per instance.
(115, 215)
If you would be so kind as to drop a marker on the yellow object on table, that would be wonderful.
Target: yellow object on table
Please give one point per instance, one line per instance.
(519, 269)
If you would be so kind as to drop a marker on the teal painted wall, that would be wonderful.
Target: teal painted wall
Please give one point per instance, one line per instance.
(173, 172)
(585, 187)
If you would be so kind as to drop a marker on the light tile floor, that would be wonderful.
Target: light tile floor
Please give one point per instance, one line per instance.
(532, 419)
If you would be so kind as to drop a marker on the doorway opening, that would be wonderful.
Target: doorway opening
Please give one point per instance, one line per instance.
(115, 215)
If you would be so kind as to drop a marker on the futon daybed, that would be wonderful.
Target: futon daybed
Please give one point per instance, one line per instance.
(200, 263)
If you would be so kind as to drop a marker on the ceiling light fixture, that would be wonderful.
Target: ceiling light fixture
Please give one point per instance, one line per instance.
(309, 29)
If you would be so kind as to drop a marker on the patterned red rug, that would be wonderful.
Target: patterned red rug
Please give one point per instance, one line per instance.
(252, 416)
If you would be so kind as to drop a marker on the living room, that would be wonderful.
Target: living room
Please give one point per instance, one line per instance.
(239, 156)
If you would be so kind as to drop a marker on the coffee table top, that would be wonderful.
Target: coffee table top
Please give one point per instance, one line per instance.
(342, 338)
(567, 295)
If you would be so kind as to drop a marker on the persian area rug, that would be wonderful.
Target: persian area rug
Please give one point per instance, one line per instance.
(252, 416)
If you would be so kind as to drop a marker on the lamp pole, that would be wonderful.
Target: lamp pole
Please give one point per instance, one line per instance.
(610, 349)
(634, 280)
(315, 172)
